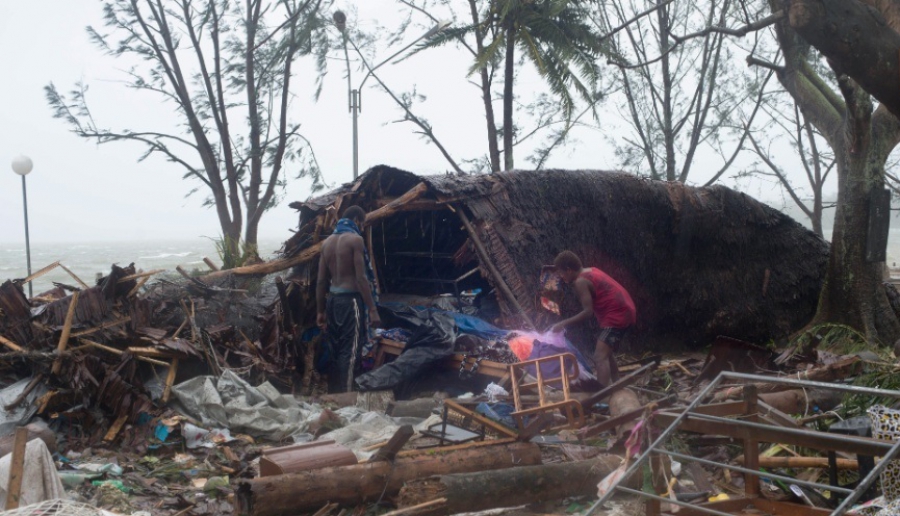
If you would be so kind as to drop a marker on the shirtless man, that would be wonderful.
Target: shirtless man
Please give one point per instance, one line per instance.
(343, 275)
(602, 297)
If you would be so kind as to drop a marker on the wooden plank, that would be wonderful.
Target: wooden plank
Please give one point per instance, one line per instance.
(74, 276)
(104, 326)
(39, 273)
(170, 380)
(209, 263)
(115, 428)
(140, 275)
(16, 469)
(67, 329)
(456, 407)
(418, 507)
(137, 286)
(120, 352)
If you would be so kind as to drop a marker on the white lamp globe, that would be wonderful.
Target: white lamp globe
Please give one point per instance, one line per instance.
(22, 165)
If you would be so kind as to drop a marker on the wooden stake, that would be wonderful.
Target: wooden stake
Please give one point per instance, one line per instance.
(67, 328)
(170, 380)
(17, 467)
(392, 448)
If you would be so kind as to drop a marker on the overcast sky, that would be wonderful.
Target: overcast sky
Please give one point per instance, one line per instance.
(81, 192)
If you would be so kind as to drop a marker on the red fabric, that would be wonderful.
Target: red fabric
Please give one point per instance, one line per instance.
(613, 305)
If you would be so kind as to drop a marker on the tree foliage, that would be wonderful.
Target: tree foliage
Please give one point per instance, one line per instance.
(226, 68)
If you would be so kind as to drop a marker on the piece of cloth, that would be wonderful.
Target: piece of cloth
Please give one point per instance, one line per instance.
(613, 306)
(346, 333)
(348, 226)
(40, 481)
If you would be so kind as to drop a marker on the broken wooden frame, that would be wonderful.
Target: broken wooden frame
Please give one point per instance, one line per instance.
(569, 407)
(710, 419)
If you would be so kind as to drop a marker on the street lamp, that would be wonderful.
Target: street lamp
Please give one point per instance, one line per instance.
(22, 165)
(340, 21)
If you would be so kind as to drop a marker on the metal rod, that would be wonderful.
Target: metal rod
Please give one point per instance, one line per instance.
(354, 106)
(809, 383)
(692, 506)
(659, 440)
(864, 484)
(27, 237)
(757, 473)
(788, 431)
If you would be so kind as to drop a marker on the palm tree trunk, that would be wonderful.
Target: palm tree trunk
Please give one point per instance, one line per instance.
(508, 96)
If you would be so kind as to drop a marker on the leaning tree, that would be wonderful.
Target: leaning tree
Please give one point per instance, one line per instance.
(226, 68)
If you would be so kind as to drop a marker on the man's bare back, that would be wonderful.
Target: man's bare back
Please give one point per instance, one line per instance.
(342, 268)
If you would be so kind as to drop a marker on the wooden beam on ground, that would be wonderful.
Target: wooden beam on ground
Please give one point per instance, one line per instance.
(394, 445)
(67, 329)
(10, 344)
(16, 469)
(623, 382)
(115, 428)
(103, 326)
(489, 264)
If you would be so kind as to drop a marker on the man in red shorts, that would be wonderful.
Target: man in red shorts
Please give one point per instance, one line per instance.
(608, 301)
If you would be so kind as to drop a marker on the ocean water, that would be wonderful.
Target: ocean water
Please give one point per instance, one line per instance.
(87, 259)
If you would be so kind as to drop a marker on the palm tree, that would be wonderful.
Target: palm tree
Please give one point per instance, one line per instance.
(556, 36)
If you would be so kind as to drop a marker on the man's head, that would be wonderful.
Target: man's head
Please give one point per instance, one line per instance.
(568, 266)
(356, 214)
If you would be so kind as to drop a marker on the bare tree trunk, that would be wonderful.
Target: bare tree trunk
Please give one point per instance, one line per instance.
(493, 148)
(508, 77)
(668, 130)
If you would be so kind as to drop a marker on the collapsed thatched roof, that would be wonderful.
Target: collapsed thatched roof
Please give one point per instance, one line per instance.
(699, 262)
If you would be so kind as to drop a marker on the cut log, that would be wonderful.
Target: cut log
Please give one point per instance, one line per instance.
(483, 490)
(350, 485)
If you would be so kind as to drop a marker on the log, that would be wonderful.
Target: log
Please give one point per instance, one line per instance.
(623, 402)
(599, 396)
(837, 371)
(482, 490)
(392, 207)
(308, 491)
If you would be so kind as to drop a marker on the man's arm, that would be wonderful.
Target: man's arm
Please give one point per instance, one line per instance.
(362, 282)
(583, 291)
(324, 278)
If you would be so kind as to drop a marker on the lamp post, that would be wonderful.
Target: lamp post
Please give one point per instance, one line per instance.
(355, 97)
(22, 165)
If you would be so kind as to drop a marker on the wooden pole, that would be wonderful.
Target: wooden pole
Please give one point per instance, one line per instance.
(67, 329)
(308, 491)
(16, 470)
(209, 263)
(10, 344)
(74, 276)
(482, 490)
(489, 264)
(170, 380)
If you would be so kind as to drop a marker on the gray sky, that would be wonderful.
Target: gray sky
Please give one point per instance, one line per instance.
(80, 192)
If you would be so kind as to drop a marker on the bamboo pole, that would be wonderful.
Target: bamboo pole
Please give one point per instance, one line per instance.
(489, 264)
(67, 329)
(10, 344)
(74, 276)
(120, 352)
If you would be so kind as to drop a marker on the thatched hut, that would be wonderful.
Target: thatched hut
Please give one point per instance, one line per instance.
(699, 262)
